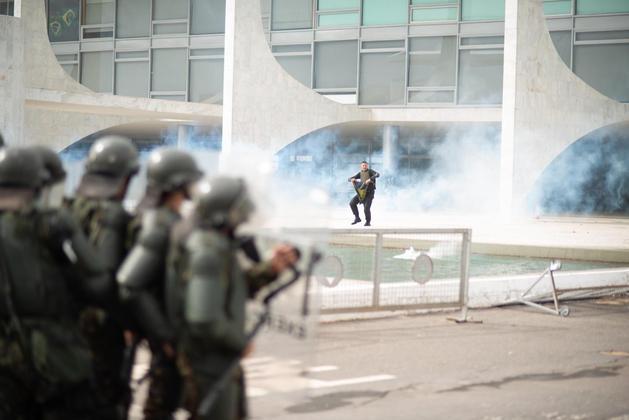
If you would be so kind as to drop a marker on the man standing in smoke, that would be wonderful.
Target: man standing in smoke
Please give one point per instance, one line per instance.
(364, 183)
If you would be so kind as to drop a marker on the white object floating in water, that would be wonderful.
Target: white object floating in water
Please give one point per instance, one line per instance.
(408, 254)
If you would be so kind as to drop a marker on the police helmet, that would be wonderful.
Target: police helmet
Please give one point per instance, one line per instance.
(53, 168)
(113, 156)
(223, 202)
(21, 167)
(111, 160)
(21, 177)
(171, 169)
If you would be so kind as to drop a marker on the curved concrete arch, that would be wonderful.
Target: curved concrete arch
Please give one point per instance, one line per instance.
(546, 107)
(265, 106)
(56, 110)
(176, 131)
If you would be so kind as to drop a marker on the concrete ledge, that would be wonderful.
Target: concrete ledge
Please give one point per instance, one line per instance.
(112, 104)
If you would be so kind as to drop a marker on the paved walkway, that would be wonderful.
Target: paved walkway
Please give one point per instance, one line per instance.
(518, 363)
(581, 238)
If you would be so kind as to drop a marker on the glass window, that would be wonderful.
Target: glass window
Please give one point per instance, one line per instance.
(169, 70)
(480, 76)
(483, 9)
(337, 4)
(98, 32)
(297, 66)
(338, 19)
(557, 7)
(435, 97)
(180, 98)
(132, 78)
(612, 79)
(207, 51)
(206, 81)
(385, 12)
(207, 17)
(170, 9)
(435, 14)
(133, 18)
(335, 64)
(67, 57)
(291, 14)
(382, 78)
(98, 12)
(563, 44)
(434, 2)
(6, 7)
(432, 61)
(592, 7)
(483, 40)
(72, 70)
(170, 28)
(601, 36)
(96, 70)
(383, 44)
(63, 20)
(132, 54)
(291, 48)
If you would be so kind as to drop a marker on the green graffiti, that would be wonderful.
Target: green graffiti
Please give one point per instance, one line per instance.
(69, 17)
(59, 25)
(55, 28)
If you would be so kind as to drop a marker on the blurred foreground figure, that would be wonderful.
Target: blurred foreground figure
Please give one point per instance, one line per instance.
(48, 272)
(111, 164)
(170, 176)
(207, 294)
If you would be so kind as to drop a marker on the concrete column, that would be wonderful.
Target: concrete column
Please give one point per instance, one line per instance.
(507, 150)
(12, 89)
(546, 106)
(183, 136)
(390, 157)
(263, 105)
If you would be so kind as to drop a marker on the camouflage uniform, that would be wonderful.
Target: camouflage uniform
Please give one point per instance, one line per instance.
(47, 273)
(141, 277)
(112, 161)
(207, 292)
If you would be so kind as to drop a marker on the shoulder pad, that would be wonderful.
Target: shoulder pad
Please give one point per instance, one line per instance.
(155, 230)
(114, 215)
(207, 252)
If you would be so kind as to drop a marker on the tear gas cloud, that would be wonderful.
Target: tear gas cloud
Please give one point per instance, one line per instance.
(590, 177)
(457, 169)
(445, 169)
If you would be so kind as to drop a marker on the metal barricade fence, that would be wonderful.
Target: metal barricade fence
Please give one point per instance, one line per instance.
(393, 269)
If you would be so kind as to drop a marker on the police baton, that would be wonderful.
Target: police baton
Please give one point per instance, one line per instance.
(212, 393)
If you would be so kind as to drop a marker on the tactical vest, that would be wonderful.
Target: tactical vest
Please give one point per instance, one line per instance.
(36, 268)
(106, 225)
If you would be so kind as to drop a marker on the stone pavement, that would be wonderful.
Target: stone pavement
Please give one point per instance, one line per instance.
(580, 238)
(518, 363)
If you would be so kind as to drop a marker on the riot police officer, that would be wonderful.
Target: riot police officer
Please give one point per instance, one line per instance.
(208, 292)
(47, 272)
(170, 176)
(111, 164)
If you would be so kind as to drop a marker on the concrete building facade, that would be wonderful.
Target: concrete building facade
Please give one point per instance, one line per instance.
(288, 69)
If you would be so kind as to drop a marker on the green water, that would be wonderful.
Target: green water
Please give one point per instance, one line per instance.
(358, 265)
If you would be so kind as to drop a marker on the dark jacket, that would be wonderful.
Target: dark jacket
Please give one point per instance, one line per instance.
(372, 175)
